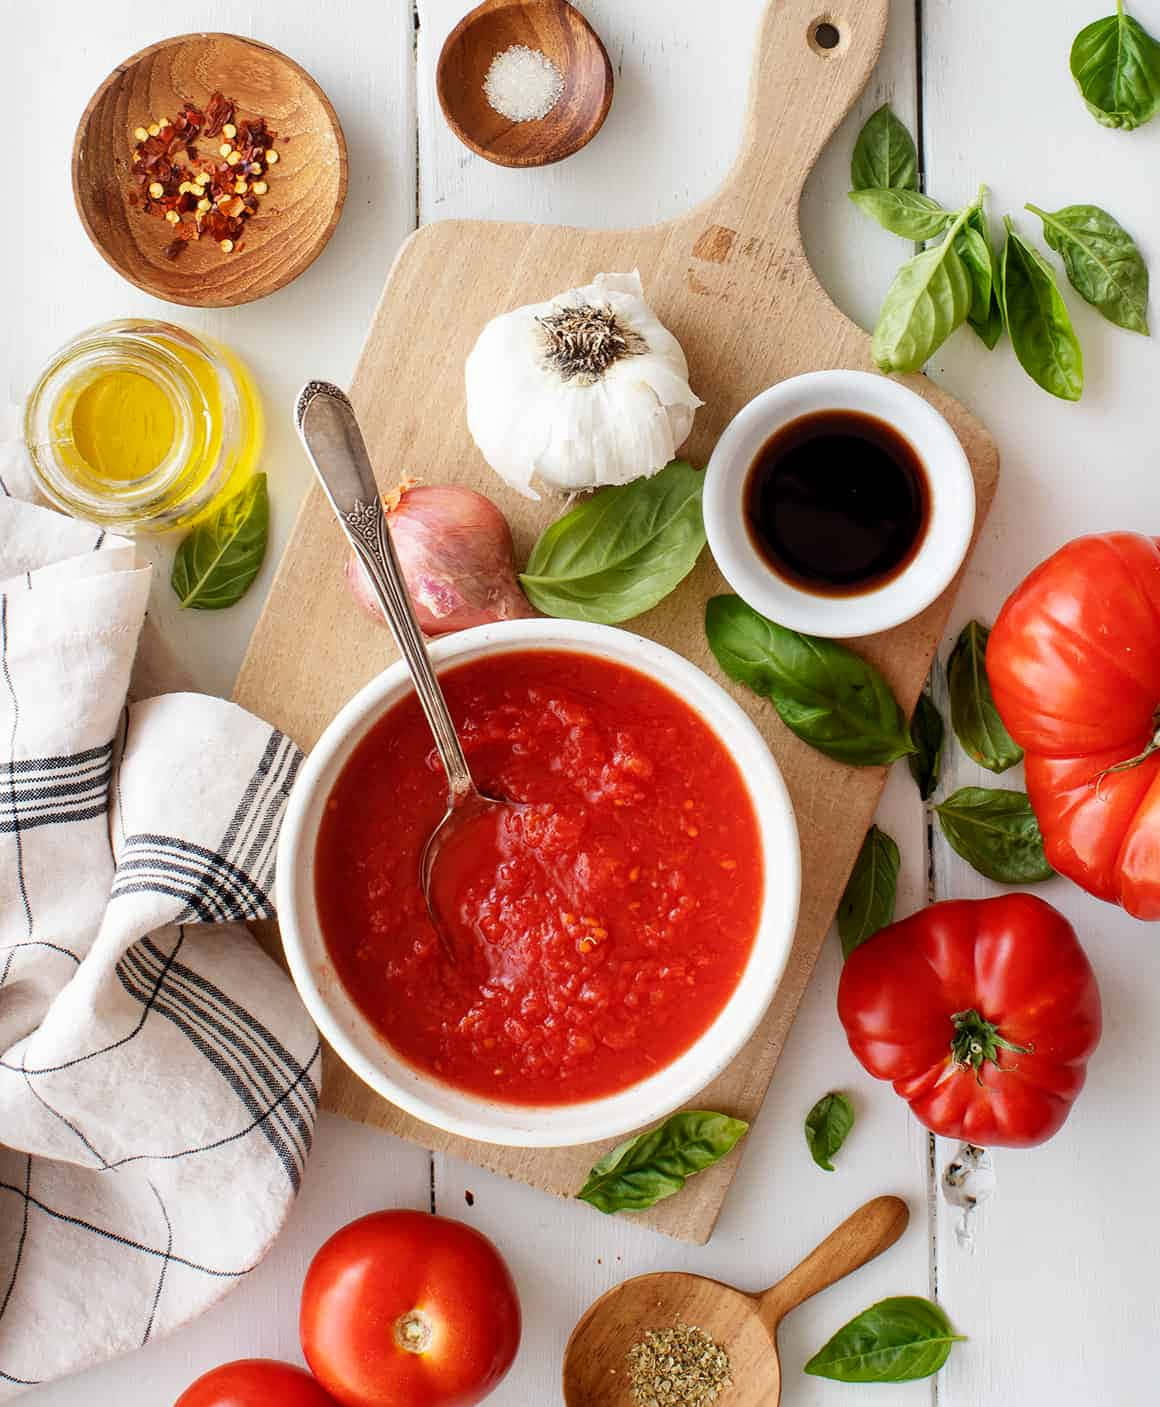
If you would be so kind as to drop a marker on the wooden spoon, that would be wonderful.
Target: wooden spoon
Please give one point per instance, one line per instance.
(306, 188)
(595, 1373)
(556, 30)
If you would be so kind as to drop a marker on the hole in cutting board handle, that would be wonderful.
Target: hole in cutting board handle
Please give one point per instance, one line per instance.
(825, 36)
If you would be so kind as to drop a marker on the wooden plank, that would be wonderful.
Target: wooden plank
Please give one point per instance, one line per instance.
(749, 311)
(52, 285)
(654, 157)
(1057, 1291)
(362, 57)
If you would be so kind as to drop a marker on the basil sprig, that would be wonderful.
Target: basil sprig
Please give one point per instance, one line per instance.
(655, 1164)
(217, 562)
(1103, 264)
(830, 697)
(974, 716)
(1037, 319)
(926, 728)
(868, 902)
(620, 552)
(1116, 66)
(894, 1341)
(996, 833)
(884, 155)
(960, 280)
(827, 1125)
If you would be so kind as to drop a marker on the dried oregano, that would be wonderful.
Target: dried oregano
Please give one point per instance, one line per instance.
(677, 1367)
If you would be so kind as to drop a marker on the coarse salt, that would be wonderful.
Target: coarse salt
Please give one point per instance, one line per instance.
(523, 84)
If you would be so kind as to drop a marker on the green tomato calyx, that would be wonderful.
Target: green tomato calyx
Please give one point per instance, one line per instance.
(977, 1040)
(1151, 747)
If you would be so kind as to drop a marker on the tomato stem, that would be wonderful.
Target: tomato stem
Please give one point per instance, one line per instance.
(1125, 766)
(977, 1040)
(413, 1331)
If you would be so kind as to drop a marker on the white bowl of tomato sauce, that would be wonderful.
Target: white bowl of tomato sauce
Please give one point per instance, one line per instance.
(622, 932)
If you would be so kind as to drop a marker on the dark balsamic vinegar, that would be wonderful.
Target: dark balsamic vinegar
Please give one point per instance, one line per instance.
(837, 502)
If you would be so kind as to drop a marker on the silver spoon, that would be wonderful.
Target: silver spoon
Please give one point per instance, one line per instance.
(328, 428)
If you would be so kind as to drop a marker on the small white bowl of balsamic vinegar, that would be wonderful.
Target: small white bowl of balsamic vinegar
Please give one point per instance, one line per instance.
(839, 503)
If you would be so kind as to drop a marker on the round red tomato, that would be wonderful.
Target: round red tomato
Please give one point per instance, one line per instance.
(1074, 665)
(982, 1012)
(405, 1309)
(255, 1382)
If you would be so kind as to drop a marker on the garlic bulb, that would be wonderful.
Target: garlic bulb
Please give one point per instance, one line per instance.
(585, 390)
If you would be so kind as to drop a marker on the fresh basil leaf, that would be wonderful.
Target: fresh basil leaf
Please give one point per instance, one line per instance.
(996, 833)
(974, 717)
(1116, 65)
(929, 298)
(618, 553)
(906, 213)
(1102, 262)
(894, 1341)
(827, 1125)
(217, 562)
(825, 693)
(884, 155)
(974, 248)
(926, 728)
(1037, 320)
(868, 902)
(989, 329)
(973, 251)
(654, 1165)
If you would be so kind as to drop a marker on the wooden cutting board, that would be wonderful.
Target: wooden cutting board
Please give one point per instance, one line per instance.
(732, 281)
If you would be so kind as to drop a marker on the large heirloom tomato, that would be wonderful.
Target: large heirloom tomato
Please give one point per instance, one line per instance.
(982, 1012)
(406, 1309)
(1074, 665)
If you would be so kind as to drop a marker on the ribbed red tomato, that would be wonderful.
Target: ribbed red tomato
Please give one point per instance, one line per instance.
(1074, 665)
(255, 1382)
(983, 1013)
(406, 1309)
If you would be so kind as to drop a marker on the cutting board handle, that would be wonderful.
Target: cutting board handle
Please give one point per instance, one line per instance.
(800, 91)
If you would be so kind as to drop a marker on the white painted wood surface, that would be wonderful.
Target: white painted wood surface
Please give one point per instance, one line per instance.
(1059, 1298)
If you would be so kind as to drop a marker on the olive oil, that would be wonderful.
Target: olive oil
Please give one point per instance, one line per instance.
(142, 427)
(121, 425)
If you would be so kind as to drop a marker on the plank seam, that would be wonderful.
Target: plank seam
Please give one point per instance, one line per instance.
(928, 815)
(415, 90)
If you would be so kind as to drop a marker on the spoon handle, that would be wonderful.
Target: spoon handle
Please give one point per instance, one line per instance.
(327, 426)
(871, 1230)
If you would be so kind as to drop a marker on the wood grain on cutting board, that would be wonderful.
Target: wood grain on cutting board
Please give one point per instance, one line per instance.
(732, 281)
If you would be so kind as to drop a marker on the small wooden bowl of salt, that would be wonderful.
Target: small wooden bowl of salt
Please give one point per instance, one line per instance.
(524, 82)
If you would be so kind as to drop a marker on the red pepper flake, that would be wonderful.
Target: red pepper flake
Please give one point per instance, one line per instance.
(218, 111)
(171, 159)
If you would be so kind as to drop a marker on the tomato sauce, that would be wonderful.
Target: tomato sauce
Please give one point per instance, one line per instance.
(598, 928)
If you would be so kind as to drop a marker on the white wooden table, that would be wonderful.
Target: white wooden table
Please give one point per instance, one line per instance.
(1060, 1297)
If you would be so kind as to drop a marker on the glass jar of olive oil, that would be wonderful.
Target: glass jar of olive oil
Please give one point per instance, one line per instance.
(141, 427)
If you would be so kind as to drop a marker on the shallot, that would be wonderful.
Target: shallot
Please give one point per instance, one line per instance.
(455, 550)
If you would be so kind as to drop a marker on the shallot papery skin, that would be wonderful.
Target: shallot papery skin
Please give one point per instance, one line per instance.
(455, 550)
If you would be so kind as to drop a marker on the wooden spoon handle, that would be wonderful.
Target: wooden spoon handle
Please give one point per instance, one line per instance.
(871, 1230)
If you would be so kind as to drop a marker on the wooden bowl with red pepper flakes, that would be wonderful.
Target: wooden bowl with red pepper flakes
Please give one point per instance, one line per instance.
(209, 170)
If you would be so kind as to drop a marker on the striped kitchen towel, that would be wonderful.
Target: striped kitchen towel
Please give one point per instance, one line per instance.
(158, 1075)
